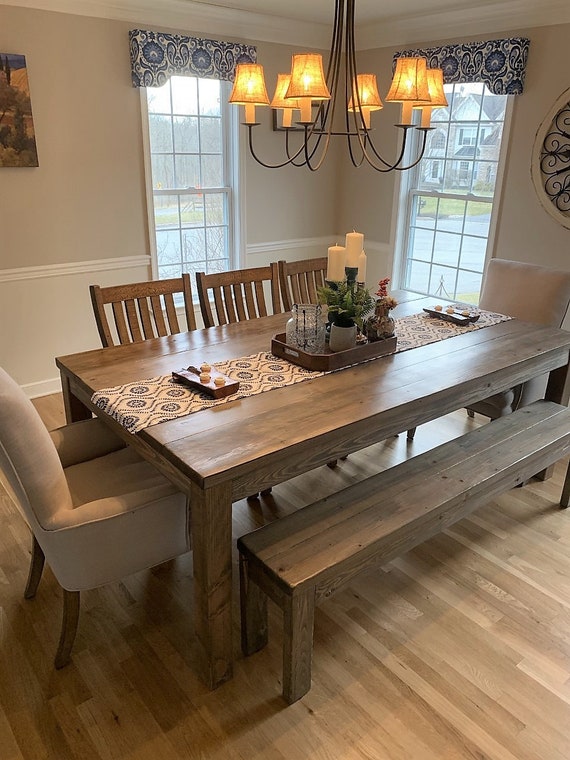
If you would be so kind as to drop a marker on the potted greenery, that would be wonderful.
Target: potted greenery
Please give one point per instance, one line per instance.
(348, 304)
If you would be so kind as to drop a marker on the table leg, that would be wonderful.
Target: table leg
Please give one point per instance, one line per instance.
(75, 410)
(212, 547)
(557, 390)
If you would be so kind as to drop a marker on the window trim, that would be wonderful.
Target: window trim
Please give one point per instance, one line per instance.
(236, 172)
(402, 200)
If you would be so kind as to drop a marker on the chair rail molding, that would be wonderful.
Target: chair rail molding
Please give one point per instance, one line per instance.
(73, 268)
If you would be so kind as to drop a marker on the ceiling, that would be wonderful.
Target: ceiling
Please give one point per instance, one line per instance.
(379, 23)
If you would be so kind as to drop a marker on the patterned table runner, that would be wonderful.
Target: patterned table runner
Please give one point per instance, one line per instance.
(148, 402)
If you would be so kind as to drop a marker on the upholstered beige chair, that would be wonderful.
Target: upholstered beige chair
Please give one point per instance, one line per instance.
(97, 511)
(534, 294)
(531, 293)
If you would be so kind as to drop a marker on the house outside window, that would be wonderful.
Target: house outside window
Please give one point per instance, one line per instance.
(191, 160)
(445, 229)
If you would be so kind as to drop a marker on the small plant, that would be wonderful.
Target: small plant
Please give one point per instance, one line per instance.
(382, 294)
(348, 304)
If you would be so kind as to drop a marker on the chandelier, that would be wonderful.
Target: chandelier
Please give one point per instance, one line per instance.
(317, 98)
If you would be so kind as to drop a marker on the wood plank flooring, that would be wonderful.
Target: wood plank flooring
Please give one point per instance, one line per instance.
(459, 649)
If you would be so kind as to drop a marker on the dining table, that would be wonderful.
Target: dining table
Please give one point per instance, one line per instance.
(226, 452)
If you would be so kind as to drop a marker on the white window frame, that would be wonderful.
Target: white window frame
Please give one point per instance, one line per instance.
(404, 197)
(236, 171)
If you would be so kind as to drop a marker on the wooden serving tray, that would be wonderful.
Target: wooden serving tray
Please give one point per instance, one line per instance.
(191, 377)
(331, 360)
(457, 317)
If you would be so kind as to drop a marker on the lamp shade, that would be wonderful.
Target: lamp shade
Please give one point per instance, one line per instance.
(279, 100)
(435, 86)
(249, 85)
(307, 77)
(410, 81)
(367, 93)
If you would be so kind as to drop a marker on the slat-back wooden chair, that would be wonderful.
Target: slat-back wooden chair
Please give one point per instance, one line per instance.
(237, 295)
(142, 310)
(299, 280)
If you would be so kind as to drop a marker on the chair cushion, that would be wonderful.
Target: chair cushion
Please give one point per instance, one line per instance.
(126, 517)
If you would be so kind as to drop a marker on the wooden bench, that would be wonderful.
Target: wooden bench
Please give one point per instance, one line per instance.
(311, 553)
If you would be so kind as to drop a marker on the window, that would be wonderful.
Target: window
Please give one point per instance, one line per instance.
(191, 141)
(444, 232)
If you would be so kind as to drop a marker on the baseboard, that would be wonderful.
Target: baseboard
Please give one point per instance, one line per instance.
(42, 388)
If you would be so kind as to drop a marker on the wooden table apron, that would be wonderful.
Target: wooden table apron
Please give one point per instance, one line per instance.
(224, 453)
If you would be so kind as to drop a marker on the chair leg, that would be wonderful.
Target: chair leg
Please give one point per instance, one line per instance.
(253, 604)
(411, 434)
(298, 624)
(256, 495)
(36, 568)
(68, 628)
(566, 489)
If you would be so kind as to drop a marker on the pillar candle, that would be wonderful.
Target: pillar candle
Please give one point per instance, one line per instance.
(361, 276)
(336, 263)
(354, 245)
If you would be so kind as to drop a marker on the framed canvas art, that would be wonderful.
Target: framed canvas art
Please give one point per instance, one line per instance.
(17, 136)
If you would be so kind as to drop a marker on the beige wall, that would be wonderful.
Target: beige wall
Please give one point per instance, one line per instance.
(81, 216)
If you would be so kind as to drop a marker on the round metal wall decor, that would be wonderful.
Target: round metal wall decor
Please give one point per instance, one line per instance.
(550, 166)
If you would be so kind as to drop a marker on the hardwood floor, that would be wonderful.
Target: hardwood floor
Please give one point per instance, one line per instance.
(459, 649)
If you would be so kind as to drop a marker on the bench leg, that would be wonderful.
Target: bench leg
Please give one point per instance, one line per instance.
(566, 489)
(253, 603)
(298, 623)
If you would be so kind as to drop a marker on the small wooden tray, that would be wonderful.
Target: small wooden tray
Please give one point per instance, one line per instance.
(457, 317)
(330, 360)
(191, 377)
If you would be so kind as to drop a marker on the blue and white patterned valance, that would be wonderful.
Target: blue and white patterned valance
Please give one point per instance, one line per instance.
(155, 57)
(500, 64)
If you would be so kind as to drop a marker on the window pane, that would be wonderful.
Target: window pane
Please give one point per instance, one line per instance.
(187, 171)
(166, 211)
(209, 95)
(194, 244)
(184, 95)
(160, 129)
(162, 171)
(212, 171)
(168, 246)
(215, 208)
(211, 135)
(443, 226)
(186, 134)
(158, 99)
(192, 211)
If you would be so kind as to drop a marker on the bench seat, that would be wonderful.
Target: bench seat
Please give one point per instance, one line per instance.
(311, 553)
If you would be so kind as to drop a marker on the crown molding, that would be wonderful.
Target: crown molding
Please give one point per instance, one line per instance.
(194, 18)
(485, 19)
(200, 18)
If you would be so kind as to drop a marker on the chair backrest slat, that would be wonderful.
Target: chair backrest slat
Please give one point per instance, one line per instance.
(133, 320)
(171, 312)
(299, 280)
(138, 312)
(237, 295)
(146, 318)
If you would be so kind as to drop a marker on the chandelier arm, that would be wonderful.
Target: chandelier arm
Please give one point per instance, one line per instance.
(261, 162)
(425, 130)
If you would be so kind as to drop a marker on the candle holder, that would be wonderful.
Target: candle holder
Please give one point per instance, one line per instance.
(351, 273)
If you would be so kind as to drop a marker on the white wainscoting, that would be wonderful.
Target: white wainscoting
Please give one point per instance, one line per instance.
(46, 311)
